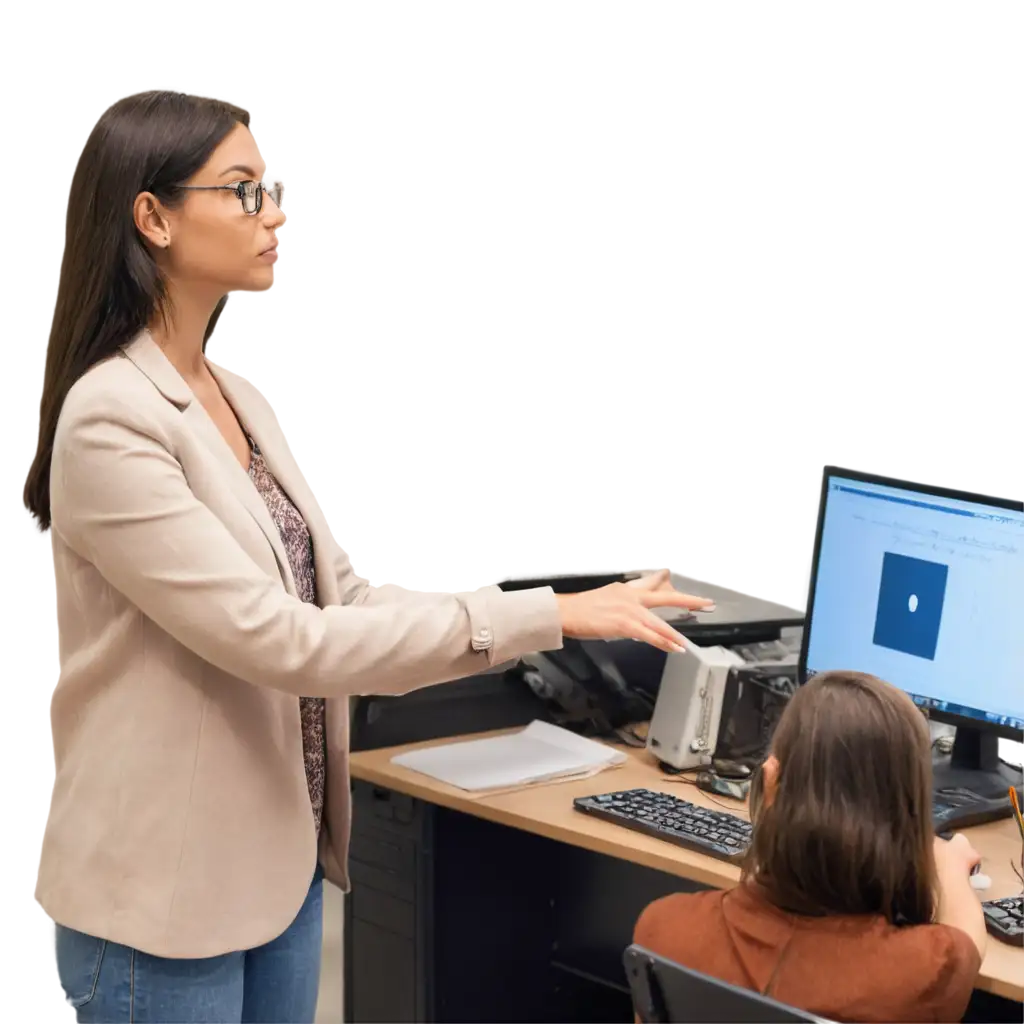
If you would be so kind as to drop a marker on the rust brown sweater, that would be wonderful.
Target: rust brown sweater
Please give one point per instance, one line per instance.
(843, 968)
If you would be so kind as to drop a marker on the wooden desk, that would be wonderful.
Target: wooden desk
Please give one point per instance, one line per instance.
(547, 811)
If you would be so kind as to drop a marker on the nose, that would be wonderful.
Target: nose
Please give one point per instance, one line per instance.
(273, 217)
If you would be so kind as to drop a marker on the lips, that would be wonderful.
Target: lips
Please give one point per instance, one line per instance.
(271, 248)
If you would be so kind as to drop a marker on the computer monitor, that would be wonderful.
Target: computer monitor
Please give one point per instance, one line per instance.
(924, 588)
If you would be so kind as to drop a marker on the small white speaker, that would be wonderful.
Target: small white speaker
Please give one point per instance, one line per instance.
(687, 713)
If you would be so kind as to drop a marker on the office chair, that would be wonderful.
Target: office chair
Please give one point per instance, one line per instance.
(668, 993)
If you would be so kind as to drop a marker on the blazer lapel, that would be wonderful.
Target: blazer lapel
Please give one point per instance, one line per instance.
(144, 352)
(267, 434)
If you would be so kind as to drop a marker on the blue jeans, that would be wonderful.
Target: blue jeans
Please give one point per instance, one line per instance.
(276, 983)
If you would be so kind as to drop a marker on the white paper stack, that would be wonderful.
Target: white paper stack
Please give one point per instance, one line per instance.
(539, 753)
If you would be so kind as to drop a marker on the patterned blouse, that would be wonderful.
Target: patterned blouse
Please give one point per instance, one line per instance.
(299, 547)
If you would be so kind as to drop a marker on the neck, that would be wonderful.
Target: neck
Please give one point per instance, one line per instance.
(181, 336)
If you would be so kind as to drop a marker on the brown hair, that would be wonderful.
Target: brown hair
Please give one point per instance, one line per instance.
(110, 286)
(849, 828)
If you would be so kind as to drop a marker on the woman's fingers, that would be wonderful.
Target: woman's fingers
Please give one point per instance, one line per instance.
(656, 638)
(674, 599)
(654, 630)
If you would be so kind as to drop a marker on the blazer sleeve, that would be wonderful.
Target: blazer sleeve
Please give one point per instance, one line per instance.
(355, 589)
(121, 501)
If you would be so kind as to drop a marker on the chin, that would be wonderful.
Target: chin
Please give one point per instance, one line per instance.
(260, 281)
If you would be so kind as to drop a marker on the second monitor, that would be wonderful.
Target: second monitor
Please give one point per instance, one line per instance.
(924, 587)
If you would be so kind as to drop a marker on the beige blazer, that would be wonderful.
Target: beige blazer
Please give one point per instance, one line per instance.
(180, 822)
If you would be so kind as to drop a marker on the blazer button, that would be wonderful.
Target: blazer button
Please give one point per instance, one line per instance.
(482, 640)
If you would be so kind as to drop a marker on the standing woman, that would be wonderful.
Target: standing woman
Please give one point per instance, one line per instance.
(211, 630)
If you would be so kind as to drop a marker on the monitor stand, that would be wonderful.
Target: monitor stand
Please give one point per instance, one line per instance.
(972, 785)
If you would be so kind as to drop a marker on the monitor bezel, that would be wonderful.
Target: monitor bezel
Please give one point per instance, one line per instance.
(949, 718)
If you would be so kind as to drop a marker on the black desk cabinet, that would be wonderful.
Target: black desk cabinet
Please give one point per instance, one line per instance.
(452, 918)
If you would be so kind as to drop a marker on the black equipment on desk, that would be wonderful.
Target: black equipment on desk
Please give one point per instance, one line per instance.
(668, 993)
(755, 697)
(719, 834)
(561, 581)
(1004, 919)
(583, 688)
(583, 685)
(480, 703)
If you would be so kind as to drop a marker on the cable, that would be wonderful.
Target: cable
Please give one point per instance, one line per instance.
(670, 774)
(711, 796)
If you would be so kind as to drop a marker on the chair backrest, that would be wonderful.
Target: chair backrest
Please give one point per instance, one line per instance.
(668, 993)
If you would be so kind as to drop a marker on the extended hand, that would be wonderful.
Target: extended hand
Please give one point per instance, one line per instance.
(622, 611)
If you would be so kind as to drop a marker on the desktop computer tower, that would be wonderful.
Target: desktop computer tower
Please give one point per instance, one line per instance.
(389, 909)
(412, 956)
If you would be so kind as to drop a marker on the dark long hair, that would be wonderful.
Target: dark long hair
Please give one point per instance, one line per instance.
(849, 828)
(110, 286)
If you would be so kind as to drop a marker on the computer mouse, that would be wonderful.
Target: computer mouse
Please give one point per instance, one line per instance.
(731, 770)
(981, 882)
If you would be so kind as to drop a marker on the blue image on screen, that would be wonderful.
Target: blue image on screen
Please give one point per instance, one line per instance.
(910, 599)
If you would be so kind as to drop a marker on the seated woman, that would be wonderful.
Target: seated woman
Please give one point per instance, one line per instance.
(849, 908)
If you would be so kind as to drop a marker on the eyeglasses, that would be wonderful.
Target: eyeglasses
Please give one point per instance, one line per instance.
(250, 193)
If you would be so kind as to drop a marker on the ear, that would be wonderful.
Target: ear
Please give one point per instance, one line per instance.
(770, 779)
(151, 220)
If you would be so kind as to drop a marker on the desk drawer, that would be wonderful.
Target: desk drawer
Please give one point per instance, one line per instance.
(390, 841)
(384, 851)
(384, 910)
(400, 885)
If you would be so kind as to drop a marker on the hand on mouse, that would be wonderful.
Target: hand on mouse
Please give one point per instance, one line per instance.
(956, 856)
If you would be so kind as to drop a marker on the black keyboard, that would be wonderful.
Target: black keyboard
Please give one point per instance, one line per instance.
(1004, 919)
(716, 833)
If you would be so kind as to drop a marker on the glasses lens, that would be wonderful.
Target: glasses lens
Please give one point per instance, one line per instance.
(276, 192)
(250, 196)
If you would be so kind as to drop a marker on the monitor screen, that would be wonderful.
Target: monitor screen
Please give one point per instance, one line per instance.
(922, 589)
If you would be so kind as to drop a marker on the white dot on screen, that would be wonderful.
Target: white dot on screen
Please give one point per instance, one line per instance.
(913, 603)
